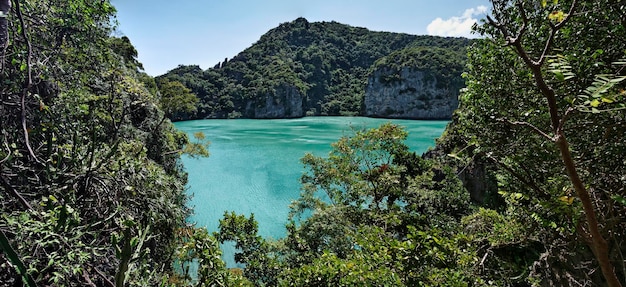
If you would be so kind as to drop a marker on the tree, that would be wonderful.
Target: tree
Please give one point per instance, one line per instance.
(176, 98)
(123, 47)
(255, 252)
(556, 87)
(83, 151)
(373, 212)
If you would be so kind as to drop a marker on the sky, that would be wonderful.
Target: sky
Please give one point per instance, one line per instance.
(204, 32)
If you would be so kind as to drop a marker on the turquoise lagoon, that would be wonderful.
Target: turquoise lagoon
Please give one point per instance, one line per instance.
(254, 166)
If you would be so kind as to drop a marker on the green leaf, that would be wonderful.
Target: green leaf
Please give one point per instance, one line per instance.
(21, 269)
(607, 100)
(595, 103)
(619, 199)
(617, 80)
(557, 16)
(559, 75)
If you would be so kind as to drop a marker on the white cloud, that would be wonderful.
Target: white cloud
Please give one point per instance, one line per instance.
(458, 26)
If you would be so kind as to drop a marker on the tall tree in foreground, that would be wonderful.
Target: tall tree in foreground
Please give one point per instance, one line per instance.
(553, 77)
(374, 213)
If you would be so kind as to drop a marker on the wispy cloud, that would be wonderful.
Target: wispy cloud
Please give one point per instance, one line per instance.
(458, 26)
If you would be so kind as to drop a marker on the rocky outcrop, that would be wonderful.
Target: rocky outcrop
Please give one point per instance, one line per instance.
(409, 93)
(283, 102)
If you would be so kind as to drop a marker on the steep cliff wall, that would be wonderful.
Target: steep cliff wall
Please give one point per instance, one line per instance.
(327, 62)
(284, 102)
(410, 93)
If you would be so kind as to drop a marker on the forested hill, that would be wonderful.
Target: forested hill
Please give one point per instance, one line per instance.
(321, 68)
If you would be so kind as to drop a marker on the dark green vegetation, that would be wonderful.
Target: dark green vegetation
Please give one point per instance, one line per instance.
(91, 188)
(527, 186)
(313, 69)
(539, 143)
(558, 87)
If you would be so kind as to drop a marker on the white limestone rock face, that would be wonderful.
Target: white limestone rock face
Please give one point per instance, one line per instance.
(284, 102)
(410, 94)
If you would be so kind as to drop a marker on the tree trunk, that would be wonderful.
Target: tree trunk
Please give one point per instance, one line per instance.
(598, 245)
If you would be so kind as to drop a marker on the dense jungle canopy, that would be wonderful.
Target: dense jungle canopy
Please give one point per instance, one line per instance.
(526, 187)
(328, 63)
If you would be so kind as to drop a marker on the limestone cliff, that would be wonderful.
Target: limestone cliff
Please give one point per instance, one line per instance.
(410, 93)
(328, 63)
(283, 102)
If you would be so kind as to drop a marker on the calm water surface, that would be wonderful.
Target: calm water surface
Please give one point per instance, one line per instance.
(254, 166)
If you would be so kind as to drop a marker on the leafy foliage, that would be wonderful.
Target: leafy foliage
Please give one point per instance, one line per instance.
(551, 73)
(327, 63)
(176, 99)
(86, 147)
(84, 150)
(551, 98)
(372, 213)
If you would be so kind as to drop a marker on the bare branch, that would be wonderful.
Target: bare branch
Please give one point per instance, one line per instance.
(553, 30)
(15, 193)
(9, 152)
(29, 81)
(528, 182)
(531, 126)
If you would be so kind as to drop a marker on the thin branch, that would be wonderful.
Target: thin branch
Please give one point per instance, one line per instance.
(564, 119)
(9, 150)
(5, 7)
(553, 30)
(531, 126)
(29, 57)
(499, 26)
(482, 262)
(103, 277)
(29, 80)
(89, 282)
(544, 195)
(15, 193)
(522, 30)
(172, 152)
(516, 41)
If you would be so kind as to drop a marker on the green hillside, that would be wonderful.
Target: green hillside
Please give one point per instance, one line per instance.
(327, 62)
(526, 186)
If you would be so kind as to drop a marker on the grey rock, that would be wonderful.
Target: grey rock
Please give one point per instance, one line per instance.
(410, 94)
(284, 102)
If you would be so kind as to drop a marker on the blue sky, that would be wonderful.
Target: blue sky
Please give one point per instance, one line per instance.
(204, 32)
